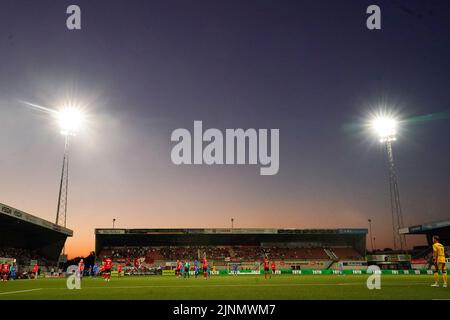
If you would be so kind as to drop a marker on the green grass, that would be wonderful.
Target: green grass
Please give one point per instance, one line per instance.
(229, 287)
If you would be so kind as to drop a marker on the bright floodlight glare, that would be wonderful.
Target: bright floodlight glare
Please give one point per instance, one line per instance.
(385, 127)
(70, 120)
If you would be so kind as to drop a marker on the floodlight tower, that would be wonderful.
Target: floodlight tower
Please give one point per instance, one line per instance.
(69, 121)
(386, 129)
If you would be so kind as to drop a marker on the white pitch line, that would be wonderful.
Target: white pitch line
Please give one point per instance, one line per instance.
(210, 286)
(237, 285)
(20, 291)
(216, 285)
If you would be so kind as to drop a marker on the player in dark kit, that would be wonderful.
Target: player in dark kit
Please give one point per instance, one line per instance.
(196, 267)
(266, 268)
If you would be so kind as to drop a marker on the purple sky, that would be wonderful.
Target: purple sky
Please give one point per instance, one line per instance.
(145, 68)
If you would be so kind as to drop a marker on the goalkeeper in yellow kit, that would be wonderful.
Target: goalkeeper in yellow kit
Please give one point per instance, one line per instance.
(439, 262)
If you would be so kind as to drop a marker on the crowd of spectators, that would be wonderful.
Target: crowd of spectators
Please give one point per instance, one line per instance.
(296, 253)
(23, 257)
(232, 253)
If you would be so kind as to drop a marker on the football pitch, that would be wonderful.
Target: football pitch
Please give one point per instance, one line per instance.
(315, 287)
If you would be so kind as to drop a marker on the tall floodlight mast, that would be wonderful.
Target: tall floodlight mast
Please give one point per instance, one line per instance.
(386, 129)
(69, 120)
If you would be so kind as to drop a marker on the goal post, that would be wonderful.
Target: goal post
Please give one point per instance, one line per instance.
(243, 268)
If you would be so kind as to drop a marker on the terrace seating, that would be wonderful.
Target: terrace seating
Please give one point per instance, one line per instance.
(297, 253)
(23, 256)
(347, 253)
(222, 253)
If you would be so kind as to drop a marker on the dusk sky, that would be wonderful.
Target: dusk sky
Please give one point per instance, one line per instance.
(142, 69)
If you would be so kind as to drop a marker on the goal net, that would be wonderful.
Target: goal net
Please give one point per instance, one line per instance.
(240, 268)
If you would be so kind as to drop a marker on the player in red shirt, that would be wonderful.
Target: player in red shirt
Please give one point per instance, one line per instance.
(205, 268)
(273, 266)
(81, 268)
(107, 272)
(35, 271)
(5, 272)
(119, 270)
(177, 271)
(1, 271)
(266, 268)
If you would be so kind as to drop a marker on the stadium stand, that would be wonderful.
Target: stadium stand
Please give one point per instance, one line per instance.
(243, 253)
(161, 247)
(28, 238)
(347, 253)
(24, 257)
(296, 253)
(440, 228)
